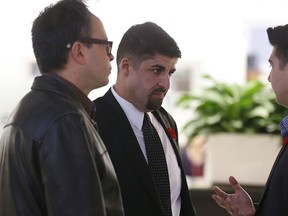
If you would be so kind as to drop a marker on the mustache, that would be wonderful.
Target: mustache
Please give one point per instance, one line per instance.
(159, 90)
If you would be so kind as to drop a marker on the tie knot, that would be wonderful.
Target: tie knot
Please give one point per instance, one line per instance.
(146, 120)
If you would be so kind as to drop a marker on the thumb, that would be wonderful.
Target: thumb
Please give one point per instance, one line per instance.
(234, 183)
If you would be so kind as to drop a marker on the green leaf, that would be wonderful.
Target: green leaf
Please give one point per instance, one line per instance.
(222, 107)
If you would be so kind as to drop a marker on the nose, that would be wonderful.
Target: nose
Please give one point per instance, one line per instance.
(164, 81)
(111, 57)
(269, 77)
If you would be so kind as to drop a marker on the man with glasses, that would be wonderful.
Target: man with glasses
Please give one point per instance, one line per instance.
(52, 160)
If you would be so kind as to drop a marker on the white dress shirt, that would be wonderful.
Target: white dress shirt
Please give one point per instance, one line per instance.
(135, 118)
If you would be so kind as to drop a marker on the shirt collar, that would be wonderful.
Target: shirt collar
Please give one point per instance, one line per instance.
(134, 116)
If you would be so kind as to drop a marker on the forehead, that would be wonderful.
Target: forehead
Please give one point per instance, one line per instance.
(273, 53)
(97, 28)
(273, 56)
(160, 60)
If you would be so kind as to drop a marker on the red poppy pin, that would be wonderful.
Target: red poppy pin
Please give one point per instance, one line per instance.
(285, 140)
(172, 133)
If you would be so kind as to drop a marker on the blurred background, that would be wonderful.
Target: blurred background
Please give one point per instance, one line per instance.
(221, 38)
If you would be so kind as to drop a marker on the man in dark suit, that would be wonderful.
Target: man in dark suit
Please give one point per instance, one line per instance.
(274, 201)
(146, 58)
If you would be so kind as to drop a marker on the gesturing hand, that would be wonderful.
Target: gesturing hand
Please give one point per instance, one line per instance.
(237, 204)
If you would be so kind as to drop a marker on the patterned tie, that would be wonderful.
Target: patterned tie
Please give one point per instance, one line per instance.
(284, 130)
(157, 163)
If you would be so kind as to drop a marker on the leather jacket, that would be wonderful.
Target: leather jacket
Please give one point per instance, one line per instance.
(52, 160)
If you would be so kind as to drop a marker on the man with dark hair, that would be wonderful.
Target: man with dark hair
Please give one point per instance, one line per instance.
(52, 160)
(274, 201)
(146, 161)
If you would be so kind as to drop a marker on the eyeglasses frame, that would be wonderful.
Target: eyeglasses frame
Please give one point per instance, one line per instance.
(98, 41)
(90, 40)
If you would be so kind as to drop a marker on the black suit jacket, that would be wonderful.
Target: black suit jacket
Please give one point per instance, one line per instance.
(138, 192)
(274, 201)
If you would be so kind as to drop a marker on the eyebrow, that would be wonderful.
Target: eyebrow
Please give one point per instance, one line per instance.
(158, 65)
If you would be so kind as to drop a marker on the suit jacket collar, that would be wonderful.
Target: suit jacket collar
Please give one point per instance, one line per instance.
(259, 205)
(59, 85)
(134, 115)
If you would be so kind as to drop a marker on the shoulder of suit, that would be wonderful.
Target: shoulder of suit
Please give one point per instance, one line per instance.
(162, 111)
(164, 115)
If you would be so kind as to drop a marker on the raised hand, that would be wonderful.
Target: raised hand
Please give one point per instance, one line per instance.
(237, 204)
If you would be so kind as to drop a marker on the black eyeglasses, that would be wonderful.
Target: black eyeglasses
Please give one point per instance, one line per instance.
(108, 44)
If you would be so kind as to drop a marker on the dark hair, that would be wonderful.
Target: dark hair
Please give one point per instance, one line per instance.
(145, 40)
(56, 26)
(278, 38)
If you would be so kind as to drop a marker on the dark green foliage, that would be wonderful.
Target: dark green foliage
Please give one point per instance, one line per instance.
(235, 108)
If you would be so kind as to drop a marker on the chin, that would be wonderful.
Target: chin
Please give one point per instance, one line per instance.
(103, 84)
(282, 103)
(154, 105)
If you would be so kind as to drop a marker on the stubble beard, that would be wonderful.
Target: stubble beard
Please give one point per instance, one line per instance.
(155, 104)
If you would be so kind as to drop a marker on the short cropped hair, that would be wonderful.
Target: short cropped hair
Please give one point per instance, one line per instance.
(145, 40)
(278, 38)
(56, 26)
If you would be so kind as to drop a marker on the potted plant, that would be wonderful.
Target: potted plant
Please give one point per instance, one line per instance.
(241, 122)
(250, 108)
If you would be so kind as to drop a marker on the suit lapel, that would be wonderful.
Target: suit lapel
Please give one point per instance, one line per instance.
(129, 142)
(167, 124)
(269, 178)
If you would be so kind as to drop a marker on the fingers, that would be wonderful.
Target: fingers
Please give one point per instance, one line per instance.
(226, 204)
(218, 200)
(219, 196)
(221, 202)
(235, 185)
(220, 192)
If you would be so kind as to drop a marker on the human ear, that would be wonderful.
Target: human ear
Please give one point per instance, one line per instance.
(124, 66)
(78, 52)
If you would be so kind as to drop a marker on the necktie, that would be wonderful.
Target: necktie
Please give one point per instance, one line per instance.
(284, 130)
(157, 163)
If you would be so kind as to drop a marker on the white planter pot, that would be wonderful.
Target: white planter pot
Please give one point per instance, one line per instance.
(247, 157)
